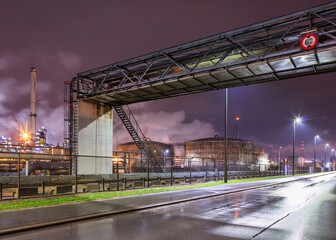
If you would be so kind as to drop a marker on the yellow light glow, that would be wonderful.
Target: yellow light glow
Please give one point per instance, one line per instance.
(24, 132)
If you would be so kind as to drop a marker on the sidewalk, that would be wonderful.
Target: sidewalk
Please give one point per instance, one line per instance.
(52, 215)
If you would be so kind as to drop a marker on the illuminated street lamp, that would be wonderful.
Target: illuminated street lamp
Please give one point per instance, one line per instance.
(325, 154)
(297, 120)
(236, 127)
(331, 151)
(166, 152)
(279, 160)
(316, 137)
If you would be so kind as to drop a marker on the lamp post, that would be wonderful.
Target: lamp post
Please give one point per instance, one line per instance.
(164, 155)
(279, 160)
(325, 154)
(296, 120)
(316, 137)
(331, 151)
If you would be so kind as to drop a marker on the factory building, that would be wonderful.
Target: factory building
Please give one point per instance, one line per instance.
(239, 151)
(164, 151)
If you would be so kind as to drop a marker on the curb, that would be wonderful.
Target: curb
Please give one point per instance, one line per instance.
(146, 207)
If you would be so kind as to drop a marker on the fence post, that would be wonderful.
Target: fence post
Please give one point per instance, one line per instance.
(103, 183)
(125, 183)
(189, 171)
(206, 171)
(171, 172)
(43, 188)
(148, 172)
(229, 173)
(18, 180)
(76, 174)
(259, 169)
(117, 175)
(0, 191)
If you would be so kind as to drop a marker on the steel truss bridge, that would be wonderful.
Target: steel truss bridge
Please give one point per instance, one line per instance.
(262, 52)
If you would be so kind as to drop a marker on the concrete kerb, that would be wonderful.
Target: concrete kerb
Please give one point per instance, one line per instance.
(146, 207)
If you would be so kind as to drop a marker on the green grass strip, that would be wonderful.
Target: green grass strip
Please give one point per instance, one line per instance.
(6, 205)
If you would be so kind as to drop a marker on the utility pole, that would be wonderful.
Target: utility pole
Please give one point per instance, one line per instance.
(225, 134)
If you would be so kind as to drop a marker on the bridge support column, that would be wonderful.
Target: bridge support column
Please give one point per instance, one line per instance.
(95, 138)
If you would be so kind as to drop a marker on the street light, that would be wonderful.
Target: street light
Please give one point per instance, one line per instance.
(279, 160)
(316, 137)
(164, 155)
(331, 151)
(297, 120)
(325, 154)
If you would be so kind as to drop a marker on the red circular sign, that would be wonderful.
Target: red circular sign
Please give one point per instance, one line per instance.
(309, 41)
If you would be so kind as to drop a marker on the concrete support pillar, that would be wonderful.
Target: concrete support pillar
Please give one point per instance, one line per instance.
(95, 138)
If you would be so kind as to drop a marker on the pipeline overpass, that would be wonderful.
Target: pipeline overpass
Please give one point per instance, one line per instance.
(294, 45)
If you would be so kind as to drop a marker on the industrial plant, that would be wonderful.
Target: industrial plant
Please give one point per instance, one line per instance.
(31, 140)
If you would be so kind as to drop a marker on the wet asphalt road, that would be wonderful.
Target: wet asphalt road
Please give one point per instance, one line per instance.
(298, 210)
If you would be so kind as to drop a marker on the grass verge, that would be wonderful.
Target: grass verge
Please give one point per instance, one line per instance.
(57, 200)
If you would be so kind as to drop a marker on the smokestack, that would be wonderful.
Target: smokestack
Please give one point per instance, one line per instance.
(33, 101)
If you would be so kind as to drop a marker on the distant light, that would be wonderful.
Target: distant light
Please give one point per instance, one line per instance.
(176, 69)
(237, 118)
(298, 119)
(25, 135)
(327, 145)
(317, 136)
(167, 150)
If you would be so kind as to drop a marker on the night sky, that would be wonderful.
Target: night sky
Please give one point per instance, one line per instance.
(62, 38)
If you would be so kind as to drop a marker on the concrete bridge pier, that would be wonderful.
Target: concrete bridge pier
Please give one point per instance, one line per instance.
(95, 138)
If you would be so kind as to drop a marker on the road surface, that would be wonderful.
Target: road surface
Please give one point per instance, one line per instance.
(297, 210)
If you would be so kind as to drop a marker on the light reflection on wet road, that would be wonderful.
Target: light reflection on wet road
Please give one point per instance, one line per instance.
(298, 210)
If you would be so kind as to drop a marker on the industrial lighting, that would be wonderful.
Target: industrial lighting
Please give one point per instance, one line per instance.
(325, 153)
(297, 120)
(315, 138)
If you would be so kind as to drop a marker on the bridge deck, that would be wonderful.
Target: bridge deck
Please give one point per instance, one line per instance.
(263, 52)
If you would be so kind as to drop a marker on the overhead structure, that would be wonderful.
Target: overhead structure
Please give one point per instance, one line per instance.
(294, 45)
(262, 52)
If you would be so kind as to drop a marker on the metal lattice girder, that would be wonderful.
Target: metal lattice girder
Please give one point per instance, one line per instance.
(262, 52)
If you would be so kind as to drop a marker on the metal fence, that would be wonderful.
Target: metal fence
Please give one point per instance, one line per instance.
(26, 175)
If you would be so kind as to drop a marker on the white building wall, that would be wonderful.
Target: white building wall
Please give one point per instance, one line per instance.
(95, 138)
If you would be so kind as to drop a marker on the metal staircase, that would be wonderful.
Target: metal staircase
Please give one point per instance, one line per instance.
(144, 144)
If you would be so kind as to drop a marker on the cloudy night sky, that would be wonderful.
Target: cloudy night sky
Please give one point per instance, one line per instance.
(61, 38)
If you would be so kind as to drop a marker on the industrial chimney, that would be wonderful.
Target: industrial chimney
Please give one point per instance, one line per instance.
(33, 102)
